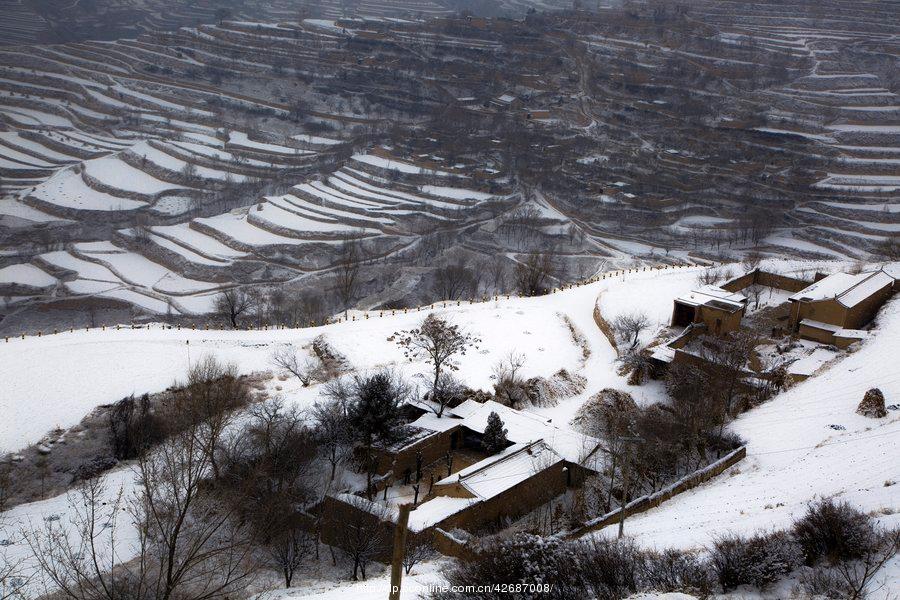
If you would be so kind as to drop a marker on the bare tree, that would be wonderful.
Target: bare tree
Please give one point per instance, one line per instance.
(629, 326)
(709, 277)
(454, 281)
(206, 401)
(189, 541)
(306, 370)
(755, 292)
(333, 432)
(73, 556)
(141, 231)
(5, 485)
(499, 273)
(13, 576)
(290, 546)
(533, 274)
(232, 303)
(508, 384)
(363, 536)
(271, 475)
(188, 544)
(418, 549)
(349, 260)
(751, 261)
(725, 360)
(449, 391)
(889, 248)
(437, 341)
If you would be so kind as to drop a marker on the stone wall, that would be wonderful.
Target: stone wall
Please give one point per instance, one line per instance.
(645, 503)
(773, 280)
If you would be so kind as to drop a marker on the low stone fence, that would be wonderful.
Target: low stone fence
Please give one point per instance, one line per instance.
(773, 280)
(645, 503)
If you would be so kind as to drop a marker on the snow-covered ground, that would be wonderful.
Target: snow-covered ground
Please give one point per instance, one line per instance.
(794, 453)
(149, 360)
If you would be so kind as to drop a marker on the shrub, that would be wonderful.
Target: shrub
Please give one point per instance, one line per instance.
(674, 571)
(610, 569)
(525, 559)
(834, 532)
(133, 427)
(757, 561)
(93, 468)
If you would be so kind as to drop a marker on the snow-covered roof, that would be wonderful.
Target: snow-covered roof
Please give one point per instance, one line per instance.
(521, 426)
(712, 293)
(494, 475)
(849, 290)
(507, 98)
(821, 325)
(866, 288)
(808, 365)
(405, 437)
(431, 421)
(663, 352)
(436, 510)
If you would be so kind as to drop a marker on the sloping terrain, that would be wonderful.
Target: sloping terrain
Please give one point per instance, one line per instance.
(232, 153)
(803, 444)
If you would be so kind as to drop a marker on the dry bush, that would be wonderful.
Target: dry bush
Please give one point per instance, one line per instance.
(758, 561)
(834, 531)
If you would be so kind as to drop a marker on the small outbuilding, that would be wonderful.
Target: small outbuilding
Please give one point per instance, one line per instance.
(720, 310)
(839, 304)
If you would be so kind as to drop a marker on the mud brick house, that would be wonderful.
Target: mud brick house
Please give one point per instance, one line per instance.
(720, 310)
(833, 309)
(541, 462)
(506, 102)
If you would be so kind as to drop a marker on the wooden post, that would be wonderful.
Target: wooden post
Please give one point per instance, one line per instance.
(399, 551)
(626, 471)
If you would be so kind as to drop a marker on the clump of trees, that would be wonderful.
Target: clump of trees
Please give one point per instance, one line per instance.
(189, 542)
(240, 307)
(455, 281)
(371, 406)
(269, 476)
(534, 273)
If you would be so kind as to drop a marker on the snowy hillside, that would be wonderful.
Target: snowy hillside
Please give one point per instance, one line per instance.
(805, 443)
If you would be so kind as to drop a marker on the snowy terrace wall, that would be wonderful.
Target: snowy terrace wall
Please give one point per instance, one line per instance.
(645, 503)
(604, 327)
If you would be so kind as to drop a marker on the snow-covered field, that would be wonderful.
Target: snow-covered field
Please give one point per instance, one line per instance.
(149, 360)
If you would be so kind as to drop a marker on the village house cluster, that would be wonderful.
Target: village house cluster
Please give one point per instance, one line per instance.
(464, 486)
(832, 309)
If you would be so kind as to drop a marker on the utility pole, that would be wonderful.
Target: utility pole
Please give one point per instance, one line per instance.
(399, 551)
(626, 471)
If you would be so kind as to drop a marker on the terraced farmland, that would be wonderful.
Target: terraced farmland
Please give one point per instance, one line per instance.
(164, 168)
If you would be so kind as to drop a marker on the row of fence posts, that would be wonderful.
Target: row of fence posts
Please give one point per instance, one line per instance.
(381, 313)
